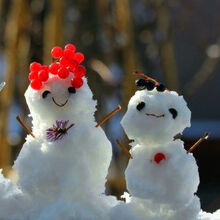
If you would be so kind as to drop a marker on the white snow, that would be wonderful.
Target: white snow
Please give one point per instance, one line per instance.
(172, 182)
(2, 85)
(209, 216)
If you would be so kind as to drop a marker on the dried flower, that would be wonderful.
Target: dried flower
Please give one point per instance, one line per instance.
(58, 131)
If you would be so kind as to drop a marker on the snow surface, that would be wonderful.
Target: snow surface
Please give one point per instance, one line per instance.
(63, 179)
(209, 216)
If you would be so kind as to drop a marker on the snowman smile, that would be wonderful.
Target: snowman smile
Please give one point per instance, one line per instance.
(60, 105)
(156, 116)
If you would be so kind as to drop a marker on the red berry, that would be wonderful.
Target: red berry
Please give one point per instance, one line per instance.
(33, 75)
(77, 82)
(43, 75)
(79, 57)
(68, 54)
(35, 66)
(53, 68)
(73, 65)
(56, 52)
(46, 68)
(80, 71)
(36, 84)
(158, 157)
(64, 62)
(70, 47)
(63, 73)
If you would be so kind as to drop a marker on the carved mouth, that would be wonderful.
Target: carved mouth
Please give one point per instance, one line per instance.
(156, 116)
(60, 105)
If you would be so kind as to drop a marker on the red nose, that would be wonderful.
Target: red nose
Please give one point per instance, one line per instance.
(158, 157)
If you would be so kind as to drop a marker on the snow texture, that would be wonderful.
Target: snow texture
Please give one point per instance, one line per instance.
(209, 216)
(64, 179)
(173, 182)
(2, 85)
(164, 190)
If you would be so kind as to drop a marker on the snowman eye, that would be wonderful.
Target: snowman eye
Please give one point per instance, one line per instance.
(141, 83)
(161, 88)
(71, 90)
(45, 93)
(150, 85)
(140, 106)
(173, 112)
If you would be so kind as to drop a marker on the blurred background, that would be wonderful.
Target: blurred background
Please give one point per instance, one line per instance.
(175, 41)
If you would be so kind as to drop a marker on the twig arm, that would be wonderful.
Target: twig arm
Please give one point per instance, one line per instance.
(205, 137)
(24, 126)
(177, 136)
(117, 109)
(123, 148)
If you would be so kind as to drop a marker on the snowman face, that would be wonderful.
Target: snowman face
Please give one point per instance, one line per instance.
(58, 100)
(155, 117)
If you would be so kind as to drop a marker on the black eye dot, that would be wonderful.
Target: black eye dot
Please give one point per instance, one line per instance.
(45, 93)
(173, 112)
(140, 106)
(161, 88)
(141, 83)
(71, 90)
(150, 85)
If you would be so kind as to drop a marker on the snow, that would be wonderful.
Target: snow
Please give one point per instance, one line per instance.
(142, 209)
(209, 216)
(63, 179)
(2, 85)
(163, 183)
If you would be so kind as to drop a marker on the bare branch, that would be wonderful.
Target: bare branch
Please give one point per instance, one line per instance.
(118, 108)
(124, 148)
(205, 137)
(205, 72)
(24, 126)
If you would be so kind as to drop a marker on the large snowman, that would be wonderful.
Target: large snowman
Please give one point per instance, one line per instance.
(62, 170)
(161, 178)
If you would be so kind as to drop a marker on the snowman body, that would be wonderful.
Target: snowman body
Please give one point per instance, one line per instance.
(165, 181)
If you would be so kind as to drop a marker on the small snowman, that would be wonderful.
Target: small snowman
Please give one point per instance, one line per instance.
(161, 178)
(63, 164)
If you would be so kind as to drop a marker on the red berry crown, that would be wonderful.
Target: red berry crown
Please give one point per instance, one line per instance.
(65, 61)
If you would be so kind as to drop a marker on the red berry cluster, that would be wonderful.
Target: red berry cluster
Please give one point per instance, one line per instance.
(68, 60)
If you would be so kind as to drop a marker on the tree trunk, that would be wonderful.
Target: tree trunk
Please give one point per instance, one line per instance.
(167, 53)
(53, 28)
(14, 28)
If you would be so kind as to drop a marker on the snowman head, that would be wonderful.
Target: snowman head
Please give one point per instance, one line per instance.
(59, 91)
(155, 115)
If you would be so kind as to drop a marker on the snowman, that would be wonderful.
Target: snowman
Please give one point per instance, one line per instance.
(63, 165)
(161, 178)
